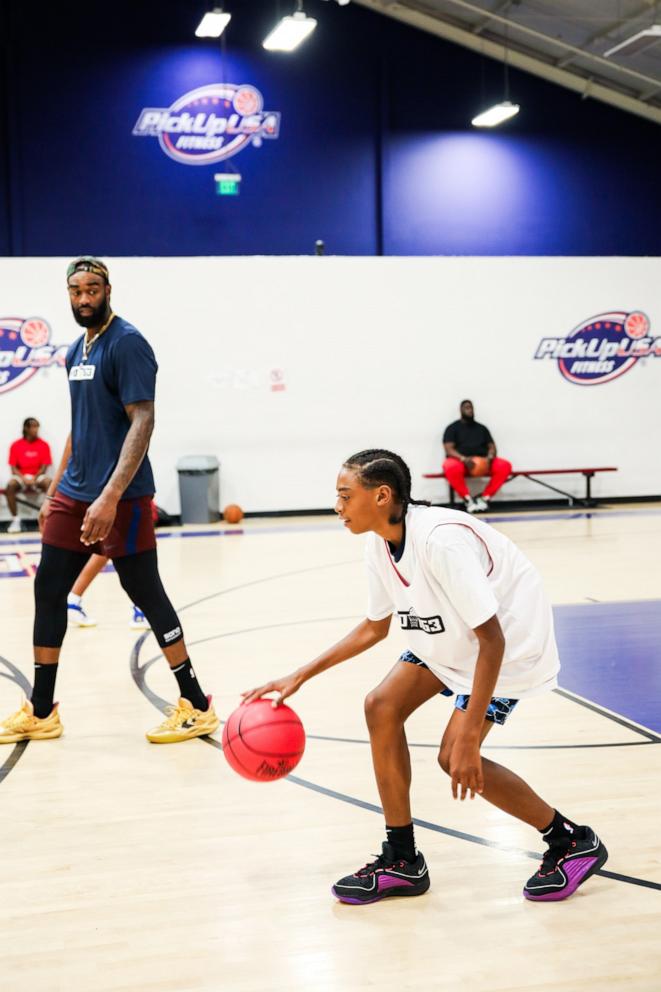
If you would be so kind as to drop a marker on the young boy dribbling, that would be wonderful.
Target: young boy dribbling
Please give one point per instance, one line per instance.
(479, 628)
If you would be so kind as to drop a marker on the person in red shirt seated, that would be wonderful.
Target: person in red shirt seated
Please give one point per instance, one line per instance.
(29, 458)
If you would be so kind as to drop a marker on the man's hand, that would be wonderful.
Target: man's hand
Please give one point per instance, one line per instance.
(466, 767)
(99, 519)
(284, 687)
(468, 462)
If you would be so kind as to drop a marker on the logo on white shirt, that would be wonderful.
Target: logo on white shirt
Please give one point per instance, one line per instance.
(428, 625)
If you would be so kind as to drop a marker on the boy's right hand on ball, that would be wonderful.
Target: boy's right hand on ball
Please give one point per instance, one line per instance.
(284, 687)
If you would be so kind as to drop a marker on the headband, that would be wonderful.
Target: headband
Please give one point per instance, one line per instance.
(87, 263)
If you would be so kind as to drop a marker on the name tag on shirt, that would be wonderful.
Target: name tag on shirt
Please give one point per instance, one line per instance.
(80, 372)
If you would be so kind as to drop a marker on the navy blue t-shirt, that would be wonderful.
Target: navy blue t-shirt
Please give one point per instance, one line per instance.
(120, 369)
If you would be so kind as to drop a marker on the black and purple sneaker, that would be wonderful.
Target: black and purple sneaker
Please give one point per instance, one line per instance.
(387, 876)
(567, 864)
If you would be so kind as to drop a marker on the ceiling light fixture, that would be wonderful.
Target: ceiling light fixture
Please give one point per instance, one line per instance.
(496, 115)
(213, 23)
(502, 111)
(290, 31)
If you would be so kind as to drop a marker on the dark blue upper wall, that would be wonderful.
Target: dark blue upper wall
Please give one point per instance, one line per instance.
(87, 184)
(376, 152)
(566, 176)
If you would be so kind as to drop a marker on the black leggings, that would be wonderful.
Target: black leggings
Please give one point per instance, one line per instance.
(138, 574)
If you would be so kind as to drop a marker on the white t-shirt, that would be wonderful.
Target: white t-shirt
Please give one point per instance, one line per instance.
(454, 574)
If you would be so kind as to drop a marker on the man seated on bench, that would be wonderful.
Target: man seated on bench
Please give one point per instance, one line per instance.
(29, 457)
(470, 448)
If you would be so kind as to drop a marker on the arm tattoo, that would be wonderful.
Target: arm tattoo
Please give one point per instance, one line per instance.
(135, 446)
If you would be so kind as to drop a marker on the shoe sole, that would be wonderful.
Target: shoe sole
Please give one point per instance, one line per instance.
(177, 738)
(17, 738)
(386, 894)
(584, 868)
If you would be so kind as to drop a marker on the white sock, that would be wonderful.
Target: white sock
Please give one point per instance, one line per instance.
(73, 599)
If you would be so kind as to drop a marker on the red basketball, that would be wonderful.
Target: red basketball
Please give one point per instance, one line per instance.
(480, 466)
(262, 742)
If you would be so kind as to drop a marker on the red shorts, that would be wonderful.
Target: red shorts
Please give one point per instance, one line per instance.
(132, 531)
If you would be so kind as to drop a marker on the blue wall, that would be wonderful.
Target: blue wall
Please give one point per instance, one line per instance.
(375, 154)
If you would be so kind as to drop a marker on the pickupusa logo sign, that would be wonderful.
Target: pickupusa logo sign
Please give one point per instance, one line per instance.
(602, 347)
(210, 124)
(24, 349)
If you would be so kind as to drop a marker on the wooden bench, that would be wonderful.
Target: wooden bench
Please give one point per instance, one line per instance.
(587, 473)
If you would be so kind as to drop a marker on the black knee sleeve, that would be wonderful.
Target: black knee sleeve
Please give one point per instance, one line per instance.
(57, 572)
(139, 577)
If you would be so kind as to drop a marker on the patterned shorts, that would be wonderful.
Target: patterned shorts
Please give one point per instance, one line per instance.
(498, 709)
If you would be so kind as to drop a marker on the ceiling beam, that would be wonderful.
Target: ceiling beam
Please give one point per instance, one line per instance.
(520, 60)
(521, 29)
(605, 32)
(500, 9)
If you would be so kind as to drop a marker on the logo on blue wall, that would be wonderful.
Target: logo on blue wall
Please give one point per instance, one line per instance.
(210, 124)
(602, 347)
(24, 349)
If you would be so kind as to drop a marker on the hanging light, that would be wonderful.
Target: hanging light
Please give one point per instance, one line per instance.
(213, 23)
(290, 31)
(502, 111)
(496, 115)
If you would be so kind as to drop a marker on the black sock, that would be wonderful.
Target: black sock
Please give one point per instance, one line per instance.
(559, 828)
(189, 686)
(44, 689)
(402, 841)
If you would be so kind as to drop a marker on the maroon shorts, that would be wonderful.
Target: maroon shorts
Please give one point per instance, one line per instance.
(131, 533)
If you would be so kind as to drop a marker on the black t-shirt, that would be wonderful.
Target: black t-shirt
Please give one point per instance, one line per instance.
(468, 438)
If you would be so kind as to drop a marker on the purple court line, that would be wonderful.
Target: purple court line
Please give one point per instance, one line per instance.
(333, 525)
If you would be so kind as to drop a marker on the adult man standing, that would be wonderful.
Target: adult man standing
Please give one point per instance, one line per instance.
(100, 502)
(464, 440)
(29, 457)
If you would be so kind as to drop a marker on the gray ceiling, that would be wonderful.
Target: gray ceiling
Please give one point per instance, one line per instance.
(563, 41)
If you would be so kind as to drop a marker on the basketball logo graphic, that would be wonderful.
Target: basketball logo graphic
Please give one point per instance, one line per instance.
(24, 349)
(209, 124)
(602, 348)
(34, 332)
(247, 101)
(637, 325)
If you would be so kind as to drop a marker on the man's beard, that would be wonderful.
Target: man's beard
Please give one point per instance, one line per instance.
(94, 318)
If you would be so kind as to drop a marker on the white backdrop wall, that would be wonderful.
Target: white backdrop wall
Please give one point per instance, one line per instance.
(370, 352)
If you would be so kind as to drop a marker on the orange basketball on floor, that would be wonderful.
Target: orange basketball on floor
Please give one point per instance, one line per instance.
(480, 465)
(233, 513)
(263, 742)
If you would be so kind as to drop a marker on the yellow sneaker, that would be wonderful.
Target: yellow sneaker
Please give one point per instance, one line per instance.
(183, 723)
(25, 726)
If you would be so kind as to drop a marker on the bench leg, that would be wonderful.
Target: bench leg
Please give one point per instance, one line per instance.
(553, 488)
(589, 501)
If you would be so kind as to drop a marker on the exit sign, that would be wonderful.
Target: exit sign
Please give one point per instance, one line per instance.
(227, 183)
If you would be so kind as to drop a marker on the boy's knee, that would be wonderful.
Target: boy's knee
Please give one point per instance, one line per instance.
(378, 707)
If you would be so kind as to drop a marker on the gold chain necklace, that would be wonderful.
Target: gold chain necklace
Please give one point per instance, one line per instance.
(87, 345)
